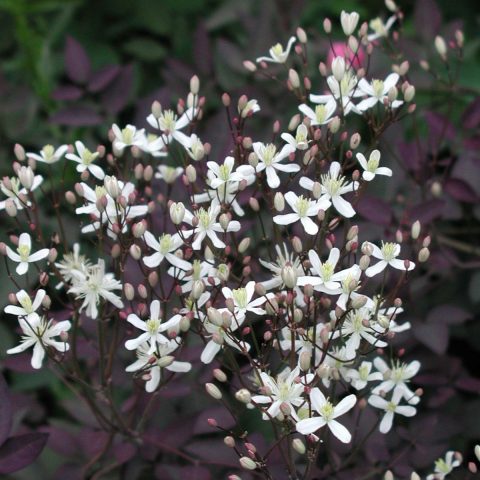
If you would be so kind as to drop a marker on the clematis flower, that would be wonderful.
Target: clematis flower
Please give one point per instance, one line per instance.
(96, 285)
(371, 167)
(391, 408)
(377, 92)
(321, 115)
(328, 413)
(206, 226)
(27, 308)
(284, 389)
(164, 248)
(152, 328)
(379, 28)
(349, 22)
(12, 189)
(40, 334)
(127, 137)
(277, 53)
(85, 159)
(360, 378)
(152, 364)
(24, 256)
(300, 141)
(242, 300)
(170, 125)
(48, 154)
(73, 265)
(388, 256)
(333, 186)
(270, 161)
(303, 209)
(444, 467)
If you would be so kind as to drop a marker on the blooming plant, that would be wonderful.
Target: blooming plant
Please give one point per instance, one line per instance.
(249, 268)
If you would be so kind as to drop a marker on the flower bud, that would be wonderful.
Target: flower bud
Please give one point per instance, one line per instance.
(19, 152)
(390, 4)
(355, 141)
(476, 450)
(301, 35)
(388, 475)
(177, 212)
(334, 124)
(409, 93)
(220, 375)
(279, 202)
(194, 85)
(229, 441)
(129, 291)
(297, 244)
(392, 94)
(26, 177)
(289, 276)
(197, 289)
(135, 252)
(415, 230)
(415, 476)
(213, 391)
(364, 262)
(138, 229)
(10, 207)
(165, 361)
(423, 255)
(327, 26)
(191, 174)
(305, 360)
(247, 463)
(349, 22)
(338, 68)
(459, 37)
(250, 66)
(298, 446)
(294, 122)
(293, 78)
(254, 205)
(243, 395)
(441, 47)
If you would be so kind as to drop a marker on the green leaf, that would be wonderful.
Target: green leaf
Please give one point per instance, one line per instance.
(145, 49)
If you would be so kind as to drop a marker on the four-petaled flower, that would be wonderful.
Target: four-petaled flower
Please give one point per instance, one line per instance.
(277, 53)
(23, 256)
(371, 167)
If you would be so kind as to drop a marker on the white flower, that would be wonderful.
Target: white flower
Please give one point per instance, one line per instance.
(220, 174)
(328, 413)
(73, 265)
(207, 227)
(391, 407)
(242, 300)
(277, 53)
(371, 167)
(333, 186)
(250, 108)
(270, 161)
(396, 377)
(27, 308)
(349, 22)
(161, 359)
(444, 467)
(11, 188)
(24, 256)
(85, 159)
(127, 137)
(342, 92)
(380, 29)
(303, 208)
(388, 256)
(359, 378)
(48, 154)
(170, 125)
(350, 281)
(164, 247)
(322, 113)
(154, 145)
(40, 334)
(286, 389)
(377, 91)
(324, 279)
(283, 259)
(197, 271)
(93, 286)
(152, 328)
(196, 149)
(168, 174)
(218, 337)
(300, 141)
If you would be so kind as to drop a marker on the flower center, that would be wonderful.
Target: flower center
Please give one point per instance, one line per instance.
(48, 152)
(326, 271)
(100, 191)
(331, 184)
(320, 113)
(24, 252)
(277, 50)
(240, 297)
(197, 270)
(153, 324)
(388, 251)
(127, 135)
(441, 466)
(378, 27)
(88, 157)
(224, 172)
(165, 243)
(302, 205)
(327, 411)
(283, 391)
(391, 407)
(372, 164)
(377, 86)
(268, 154)
(168, 120)
(363, 372)
(26, 304)
(204, 219)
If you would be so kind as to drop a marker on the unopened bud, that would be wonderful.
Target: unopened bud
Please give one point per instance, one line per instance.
(213, 391)
(338, 68)
(135, 252)
(289, 276)
(415, 230)
(250, 66)
(247, 463)
(293, 78)
(441, 47)
(334, 124)
(191, 174)
(423, 255)
(177, 212)
(129, 291)
(305, 360)
(279, 202)
(409, 93)
(243, 395)
(327, 26)
(355, 141)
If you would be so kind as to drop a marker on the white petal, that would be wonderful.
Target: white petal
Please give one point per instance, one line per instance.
(339, 431)
(310, 425)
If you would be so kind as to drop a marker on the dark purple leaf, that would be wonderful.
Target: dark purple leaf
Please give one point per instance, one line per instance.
(427, 18)
(61, 441)
(411, 156)
(427, 211)
(67, 93)
(433, 336)
(124, 451)
(468, 384)
(213, 451)
(374, 209)
(76, 116)
(439, 129)
(5, 410)
(18, 452)
(102, 78)
(231, 54)
(201, 50)
(471, 116)
(441, 396)
(77, 63)
(460, 190)
(448, 315)
(175, 472)
(118, 93)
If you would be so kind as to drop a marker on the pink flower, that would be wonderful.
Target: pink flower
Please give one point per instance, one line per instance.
(343, 50)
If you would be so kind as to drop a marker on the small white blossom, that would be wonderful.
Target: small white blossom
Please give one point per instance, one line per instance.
(277, 53)
(48, 154)
(371, 167)
(23, 256)
(170, 125)
(164, 247)
(328, 413)
(388, 256)
(349, 22)
(444, 467)
(27, 308)
(322, 114)
(300, 141)
(360, 378)
(85, 159)
(379, 28)
(242, 300)
(127, 137)
(377, 92)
